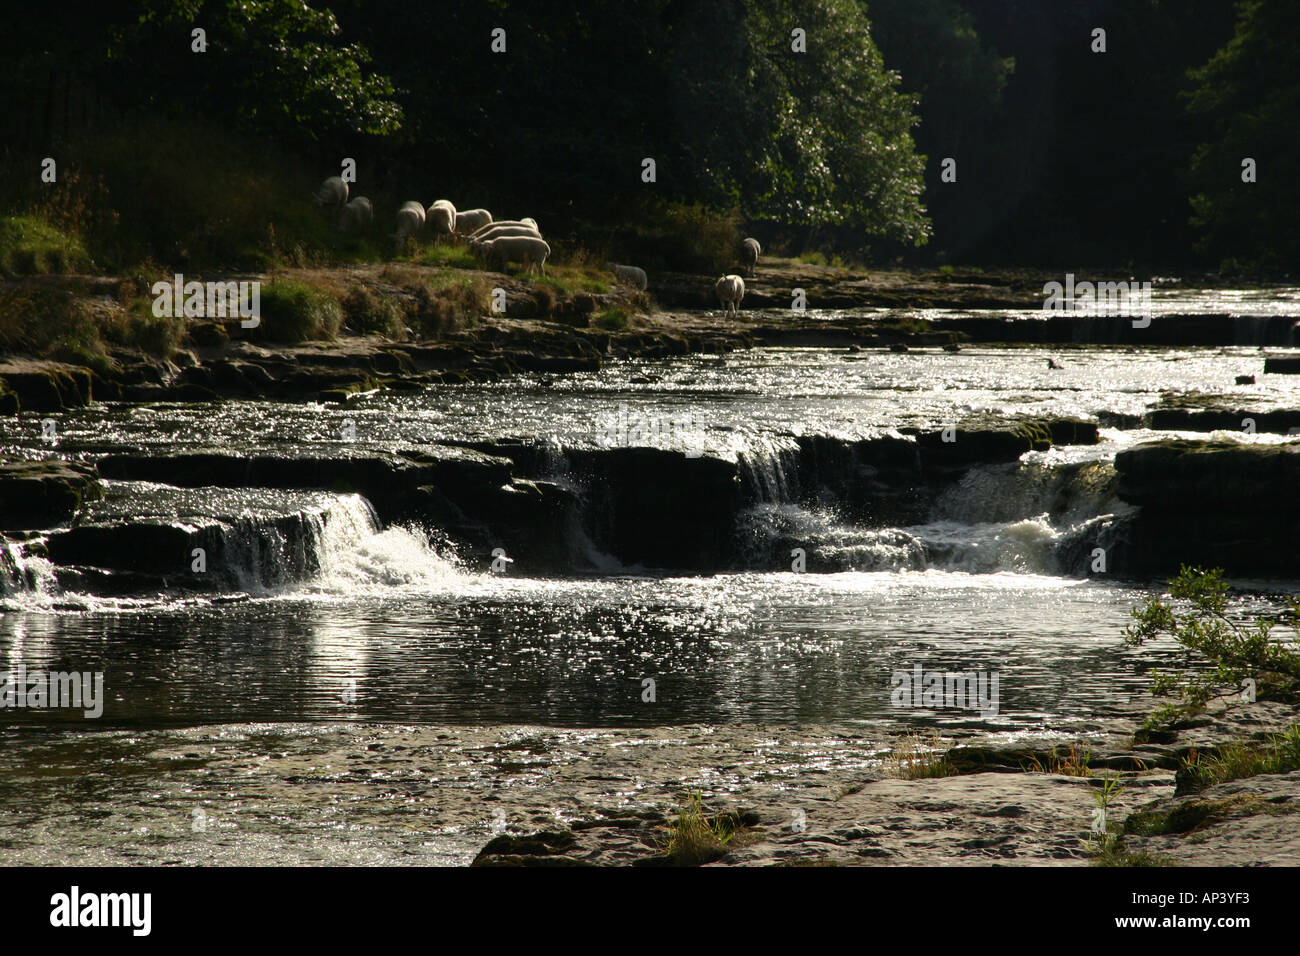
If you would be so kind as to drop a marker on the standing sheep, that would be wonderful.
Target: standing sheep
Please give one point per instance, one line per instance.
(506, 249)
(409, 220)
(750, 253)
(629, 274)
(730, 290)
(332, 192)
(356, 215)
(503, 231)
(472, 219)
(482, 231)
(442, 217)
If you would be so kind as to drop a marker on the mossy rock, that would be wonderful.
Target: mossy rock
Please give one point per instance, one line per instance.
(40, 494)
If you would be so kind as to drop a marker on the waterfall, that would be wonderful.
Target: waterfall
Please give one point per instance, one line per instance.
(23, 573)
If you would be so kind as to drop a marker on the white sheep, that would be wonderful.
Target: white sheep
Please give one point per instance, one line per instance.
(526, 249)
(482, 231)
(471, 220)
(356, 215)
(409, 220)
(332, 192)
(629, 274)
(730, 290)
(442, 217)
(750, 253)
(506, 232)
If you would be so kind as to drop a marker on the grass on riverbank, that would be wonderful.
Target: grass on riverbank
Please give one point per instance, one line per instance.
(55, 323)
(696, 838)
(1239, 760)
(915, 757)
(31, 246)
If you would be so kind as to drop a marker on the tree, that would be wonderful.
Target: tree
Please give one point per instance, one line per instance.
(1248, 95)
(272, 67)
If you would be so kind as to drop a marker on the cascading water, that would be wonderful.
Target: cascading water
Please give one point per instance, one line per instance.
(1042, 515)
(24, 576)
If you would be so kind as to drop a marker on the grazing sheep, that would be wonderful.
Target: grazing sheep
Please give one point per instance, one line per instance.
(356, 215)
(629, 274)
(409, 220)
(482, 231)
(730, 290)
(526, 249)
(750, 253)
(472, 219)
(332, 192)
(504, 232)
(442, 217)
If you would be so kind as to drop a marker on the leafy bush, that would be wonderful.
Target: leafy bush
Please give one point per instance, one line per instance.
(681, 237)
(1237, 652)
(296, 312)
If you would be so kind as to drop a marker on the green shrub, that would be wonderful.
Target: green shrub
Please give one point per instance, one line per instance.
(446, 304)
(1236, 651)
(141, 329)
(31, 246)
(45, 322)
(611, 320)
(366, 311)
(681, 237)
(297, 312)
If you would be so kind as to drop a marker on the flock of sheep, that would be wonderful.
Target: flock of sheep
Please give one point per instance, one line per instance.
(499, 242)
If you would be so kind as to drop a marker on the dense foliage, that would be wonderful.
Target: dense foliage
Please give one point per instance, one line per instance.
(1065, 156)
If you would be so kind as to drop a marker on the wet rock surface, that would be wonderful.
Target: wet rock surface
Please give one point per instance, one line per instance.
(545, 796)
(41, 494)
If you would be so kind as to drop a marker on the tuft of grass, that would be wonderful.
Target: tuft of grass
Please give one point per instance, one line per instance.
(1238, 760)
(696, 838)
(32, 246)
(448, 256)
(446, 303)
(49, 323)
(915, 757)
(1073, 764)
(611, 320)
(1114, 854)
(366, 311)
(141, 329)
(1189, 816)
(298, 312)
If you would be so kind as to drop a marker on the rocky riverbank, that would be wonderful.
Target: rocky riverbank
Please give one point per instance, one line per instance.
(545, 796)
(545, 331)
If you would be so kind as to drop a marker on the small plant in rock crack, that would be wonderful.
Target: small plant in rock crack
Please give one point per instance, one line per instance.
(1101, 817)
(695, 837)
(1241, 654)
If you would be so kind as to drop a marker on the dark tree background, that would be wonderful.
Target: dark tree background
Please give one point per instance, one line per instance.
(1066, 158)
